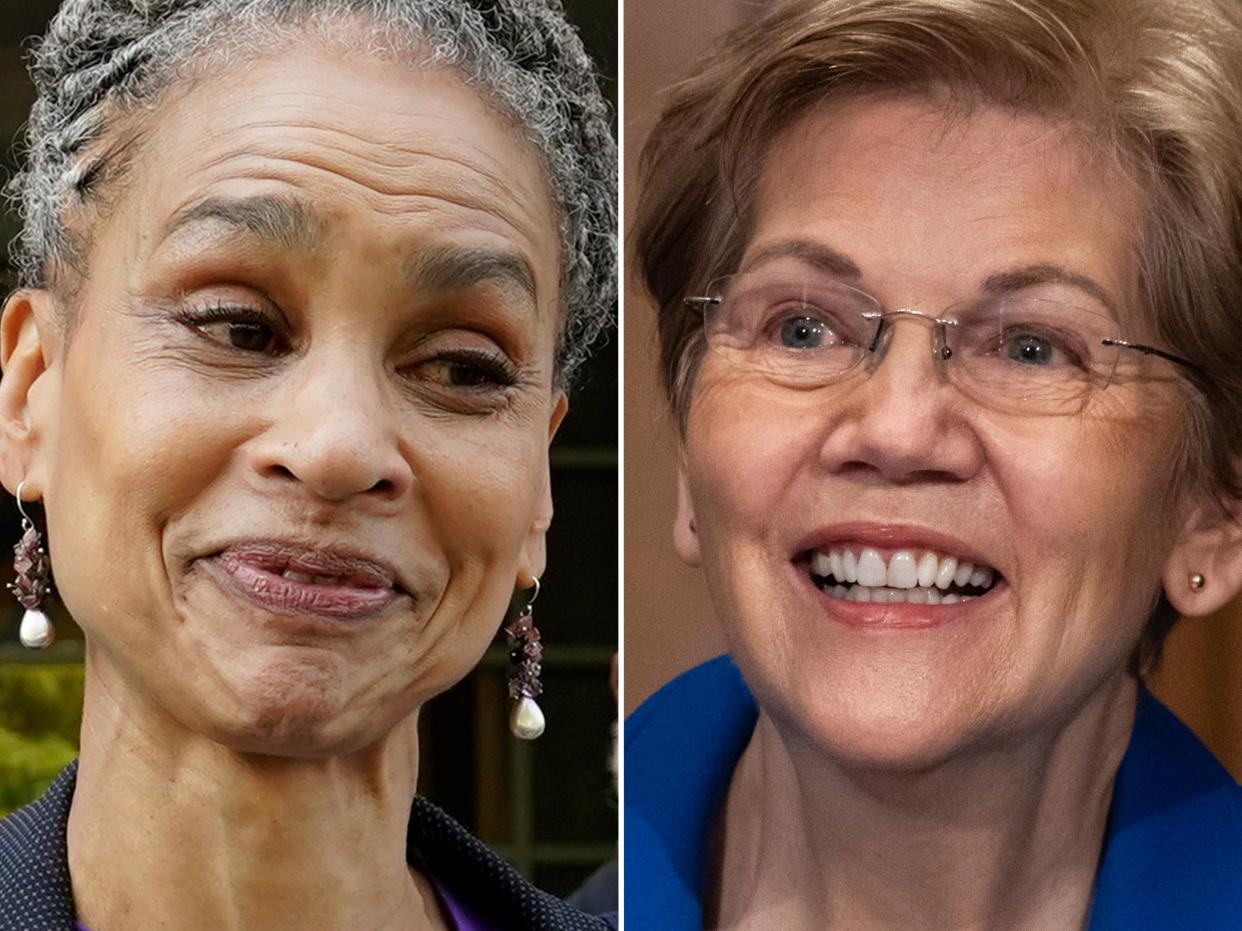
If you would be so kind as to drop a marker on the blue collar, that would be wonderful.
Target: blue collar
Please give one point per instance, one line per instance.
(1172, 852)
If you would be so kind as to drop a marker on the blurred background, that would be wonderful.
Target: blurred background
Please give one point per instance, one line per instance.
(548, 805)
(668, 620)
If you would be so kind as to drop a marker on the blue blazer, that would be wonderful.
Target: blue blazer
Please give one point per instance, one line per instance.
(36, 894)
(1172, 856)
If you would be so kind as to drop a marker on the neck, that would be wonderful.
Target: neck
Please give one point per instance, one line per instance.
(1003, 837)
(169, 828)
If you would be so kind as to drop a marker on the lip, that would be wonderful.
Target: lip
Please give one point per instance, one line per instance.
(892, 536)
(252, 569)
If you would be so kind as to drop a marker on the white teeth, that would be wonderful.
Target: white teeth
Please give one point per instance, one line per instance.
(944, 575)
(962, 576)
(981, 578)
(871, 568)
(949, 600)
(917, 596)
(933, 596)
(840, 591)
(903, 571)
(849, 566)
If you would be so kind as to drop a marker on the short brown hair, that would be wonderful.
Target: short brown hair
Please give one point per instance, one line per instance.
(1157, 83)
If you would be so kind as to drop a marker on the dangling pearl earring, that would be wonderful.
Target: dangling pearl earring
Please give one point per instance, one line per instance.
(525, 655)
(1197, 581)
(33, 585)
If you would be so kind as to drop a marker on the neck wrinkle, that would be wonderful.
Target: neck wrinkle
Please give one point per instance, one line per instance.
(998, 837)
(170, 826)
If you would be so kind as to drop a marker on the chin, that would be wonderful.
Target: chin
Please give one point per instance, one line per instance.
(295, 708)
(899, 744)
(884, 721)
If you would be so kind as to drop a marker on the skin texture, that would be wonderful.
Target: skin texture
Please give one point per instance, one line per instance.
(285, 752)
(958, 775)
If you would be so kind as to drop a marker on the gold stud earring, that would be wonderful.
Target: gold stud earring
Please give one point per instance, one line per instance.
(1197, 581)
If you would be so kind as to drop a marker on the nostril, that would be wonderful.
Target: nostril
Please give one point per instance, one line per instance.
(385, 487)
(281, 471)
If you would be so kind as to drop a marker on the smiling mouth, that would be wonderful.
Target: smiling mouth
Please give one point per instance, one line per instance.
(914, 576)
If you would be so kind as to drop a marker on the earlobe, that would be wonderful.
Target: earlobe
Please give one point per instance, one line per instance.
(1204, 572)
(685, 531)
(26, 350)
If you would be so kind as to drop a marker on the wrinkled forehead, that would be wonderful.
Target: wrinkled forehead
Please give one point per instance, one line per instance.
(301, 143)
(905, 188)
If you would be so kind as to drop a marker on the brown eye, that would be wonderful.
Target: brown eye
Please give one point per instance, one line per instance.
(240, 328)
(252, 337)
(469, 369)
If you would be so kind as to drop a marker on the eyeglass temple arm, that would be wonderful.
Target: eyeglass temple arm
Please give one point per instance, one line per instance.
(1151, 351)
(699, 302)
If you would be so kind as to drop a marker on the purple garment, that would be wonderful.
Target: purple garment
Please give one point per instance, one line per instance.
(463, 918)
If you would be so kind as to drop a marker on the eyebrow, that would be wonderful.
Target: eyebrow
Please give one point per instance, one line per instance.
(1016, 279)
(291, 223)
(271, 217)
(1030, 275)
(452, 268)
(813, 253)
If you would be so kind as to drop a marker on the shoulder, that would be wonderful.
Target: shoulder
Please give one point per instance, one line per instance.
(35, 891)
(681, 747)
(476, 875)
(1173, 848)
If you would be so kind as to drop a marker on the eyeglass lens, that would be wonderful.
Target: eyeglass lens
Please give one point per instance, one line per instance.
(1022, 353)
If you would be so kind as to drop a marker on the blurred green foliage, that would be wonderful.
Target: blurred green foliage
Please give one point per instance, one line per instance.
(40, 717)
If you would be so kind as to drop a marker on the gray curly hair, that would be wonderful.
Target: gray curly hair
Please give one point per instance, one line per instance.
(103, 60)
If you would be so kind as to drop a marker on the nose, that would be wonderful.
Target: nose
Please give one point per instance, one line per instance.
(332, 434)
(903, 422)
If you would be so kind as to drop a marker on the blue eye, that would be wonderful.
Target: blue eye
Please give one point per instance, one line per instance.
(1031, 350)
(802, 333)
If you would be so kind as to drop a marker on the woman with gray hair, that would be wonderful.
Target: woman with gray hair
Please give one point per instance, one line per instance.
(303, 285)
(950, 315)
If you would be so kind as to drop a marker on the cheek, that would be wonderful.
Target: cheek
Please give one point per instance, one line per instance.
(1086, 504)
(1091, 489)
(482, 490)
(133, 444)
(745, 448)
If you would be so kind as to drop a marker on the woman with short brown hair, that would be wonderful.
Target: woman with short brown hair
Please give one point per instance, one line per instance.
(948, 299)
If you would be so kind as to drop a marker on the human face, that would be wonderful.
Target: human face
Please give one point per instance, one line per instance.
(1070, 511)
(318, 334)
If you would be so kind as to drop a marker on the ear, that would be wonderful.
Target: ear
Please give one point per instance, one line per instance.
(534, 557)
(29, 341)
(685, 531)
(1210, 546)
